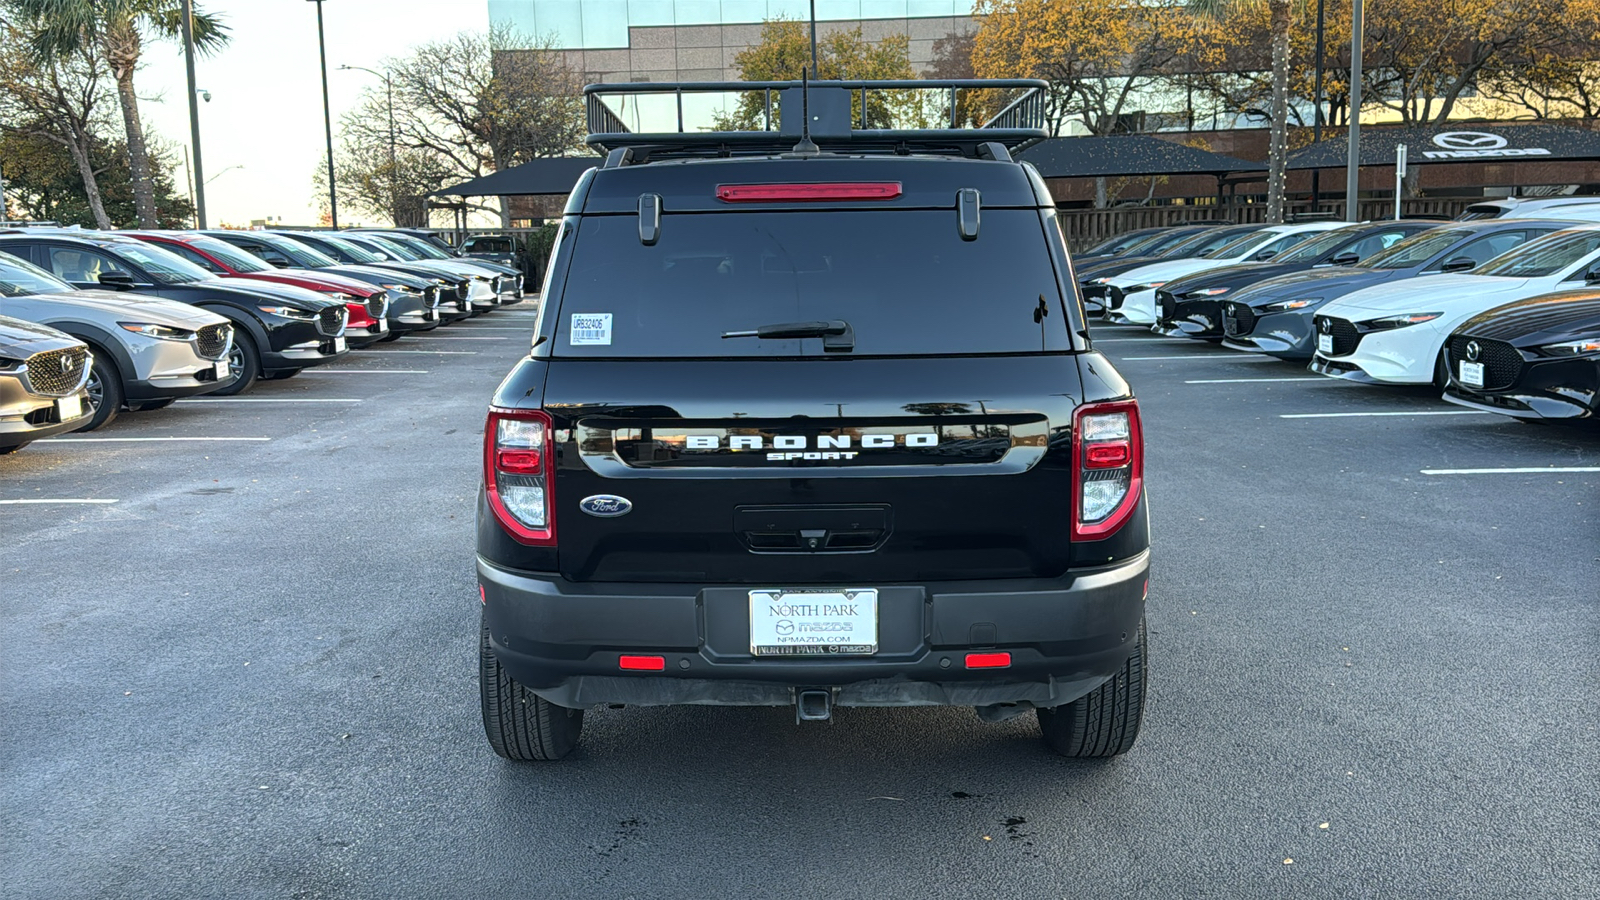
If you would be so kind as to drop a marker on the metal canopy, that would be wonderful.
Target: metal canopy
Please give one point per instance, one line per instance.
(1457, 142)
(1129, 155)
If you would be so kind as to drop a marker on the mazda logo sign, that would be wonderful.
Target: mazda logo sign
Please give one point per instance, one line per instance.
(1469, 140)
(1325, 326)
(1473, 351)
(66, 364)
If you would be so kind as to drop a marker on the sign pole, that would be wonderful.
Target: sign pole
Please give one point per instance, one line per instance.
(1399, 176)
(1352, 179)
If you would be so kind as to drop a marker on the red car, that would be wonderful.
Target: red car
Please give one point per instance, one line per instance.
(368, 304)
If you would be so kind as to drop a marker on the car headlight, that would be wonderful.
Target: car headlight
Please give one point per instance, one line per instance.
(1134, 289)
(1572, 348)
(1104, 279)
(1286, 305)
(400, 288)
(480, 278)
(1401, 321)
(1208, 292)
(288, 312)
(150, 329)
(7, 364)
(343, 297)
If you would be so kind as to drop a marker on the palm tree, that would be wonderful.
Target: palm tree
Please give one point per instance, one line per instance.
(1280, 15)
(118, 28)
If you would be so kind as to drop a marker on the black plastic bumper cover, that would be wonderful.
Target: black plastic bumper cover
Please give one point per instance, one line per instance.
(563, 640)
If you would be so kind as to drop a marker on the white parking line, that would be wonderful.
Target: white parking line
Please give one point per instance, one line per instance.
(454, 337)
(1257, 380)
(1525, 470)
(1214, 356)
(495, 328)
(40, 501)
(1140, 340)
(110, 440)
(274, 400)
(369, 371)
(1357, 415)
(438, 352)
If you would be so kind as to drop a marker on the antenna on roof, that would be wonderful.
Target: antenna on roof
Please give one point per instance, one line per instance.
(806, 147)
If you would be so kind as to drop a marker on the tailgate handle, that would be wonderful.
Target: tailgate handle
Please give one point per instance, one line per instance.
(820, 529)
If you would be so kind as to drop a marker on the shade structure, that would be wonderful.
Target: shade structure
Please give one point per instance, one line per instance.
(1129, 155)
(1457, 142)
(554, 175)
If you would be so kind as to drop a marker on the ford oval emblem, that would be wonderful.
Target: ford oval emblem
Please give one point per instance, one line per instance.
(606, 506)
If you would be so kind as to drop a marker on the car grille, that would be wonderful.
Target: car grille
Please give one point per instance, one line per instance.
(1166, 305)
(212, 340)
(57, 373)
(1238, 319)
(463, 290)
(430, 296)
(1345, 336)
(499, 284)
(1502, 363)
(1114, 297)
(378, 305)
(330, 321)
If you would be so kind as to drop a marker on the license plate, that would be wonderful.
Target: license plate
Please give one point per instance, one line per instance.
(339, 345)
(1472, 374)
(383, 326)
(1324, 343)
(1230, 325)
(69, 408)
(221, 372)
(814, 622)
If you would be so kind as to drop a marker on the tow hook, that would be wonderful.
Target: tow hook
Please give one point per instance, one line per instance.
(814, 706)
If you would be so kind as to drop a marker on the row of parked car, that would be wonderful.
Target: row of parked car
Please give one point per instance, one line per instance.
(93, 323)
(1500, 314)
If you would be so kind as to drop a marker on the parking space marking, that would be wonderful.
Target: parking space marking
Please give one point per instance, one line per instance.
(455, 337)
(495, 328)
(1357, 415)
(1257, 380)
(1150, 340)
(52, 500)
(439, 352)
(1213, 356)
(1523, 470)
(369, 372)
(131, 440)
(274, 400)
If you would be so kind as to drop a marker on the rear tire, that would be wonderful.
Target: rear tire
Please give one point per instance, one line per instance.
(520, 724)
(1105, 721)
(105, 391)
(244, 361)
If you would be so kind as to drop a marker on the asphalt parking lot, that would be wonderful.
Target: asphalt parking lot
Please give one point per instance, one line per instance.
(253, 674)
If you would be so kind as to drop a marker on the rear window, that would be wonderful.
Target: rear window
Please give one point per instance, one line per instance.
(903, 279)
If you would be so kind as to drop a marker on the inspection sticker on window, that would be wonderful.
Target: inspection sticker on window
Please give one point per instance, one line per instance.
(590, 328)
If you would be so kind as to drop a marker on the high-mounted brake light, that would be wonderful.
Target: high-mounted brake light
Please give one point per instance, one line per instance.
(519, 474)
(1108, 467)
(838, 190)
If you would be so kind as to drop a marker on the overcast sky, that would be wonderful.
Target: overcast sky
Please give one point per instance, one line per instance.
(265, 113)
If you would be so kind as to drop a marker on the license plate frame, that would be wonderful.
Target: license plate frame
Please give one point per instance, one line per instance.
(1471, 374)
(69, 408)
(838, 621)
(1325, 343)
(340, 345)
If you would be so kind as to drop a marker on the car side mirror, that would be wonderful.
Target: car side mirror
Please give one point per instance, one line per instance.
(278, 263)
(1592, 276)
(1459, 264)
(1346, 259)
(1264, 255)
(121, 281)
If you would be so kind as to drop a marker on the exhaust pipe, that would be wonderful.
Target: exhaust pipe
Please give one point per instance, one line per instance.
(814, 706)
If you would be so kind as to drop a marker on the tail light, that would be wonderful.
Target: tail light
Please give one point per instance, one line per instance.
(1108, 459)
(519, 474)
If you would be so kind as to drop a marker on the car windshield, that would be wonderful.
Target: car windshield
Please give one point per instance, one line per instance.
(489, 245)
(1206, 241)
(398, 251)
(417, 245)
(1320, 245)
(236, 259)
(163, 265)
(1120, 243)
(19, 279)
(300, 254)
(350, 248)
(1240, 246)
(1415, 250)
(1544, 257)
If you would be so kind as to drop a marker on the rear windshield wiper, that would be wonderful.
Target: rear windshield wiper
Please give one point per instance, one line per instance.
(837, 335)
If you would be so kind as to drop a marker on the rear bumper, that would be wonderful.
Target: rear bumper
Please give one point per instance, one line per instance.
(1066, 636)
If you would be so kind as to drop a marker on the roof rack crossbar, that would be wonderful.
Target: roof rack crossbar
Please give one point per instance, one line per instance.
(1020, 124)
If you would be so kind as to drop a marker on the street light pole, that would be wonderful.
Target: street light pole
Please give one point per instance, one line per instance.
(394, 172)
(1316, 118)
(1352, 172)
(813, 40)
(194, 113)
(327, 118)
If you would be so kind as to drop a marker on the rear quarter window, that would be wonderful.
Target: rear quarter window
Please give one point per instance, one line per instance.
(904, 280)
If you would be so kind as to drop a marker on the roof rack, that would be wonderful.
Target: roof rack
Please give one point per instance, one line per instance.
(833, 114)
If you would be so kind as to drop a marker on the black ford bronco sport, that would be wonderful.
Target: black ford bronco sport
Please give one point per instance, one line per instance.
(812, 419)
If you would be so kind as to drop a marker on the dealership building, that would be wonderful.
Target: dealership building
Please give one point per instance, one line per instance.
(697, 40)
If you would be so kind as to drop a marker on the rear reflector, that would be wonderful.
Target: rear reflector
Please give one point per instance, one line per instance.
(988, 660)
(839, 190)
(642, 663)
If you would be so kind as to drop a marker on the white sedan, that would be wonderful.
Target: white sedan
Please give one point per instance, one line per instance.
(1395, 333)
(1137, 287)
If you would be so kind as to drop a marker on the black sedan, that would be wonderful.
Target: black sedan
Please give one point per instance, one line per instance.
(1192, 306)
(1197, 241)
(1533, 359)
(1274, 316)
(277, 329)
